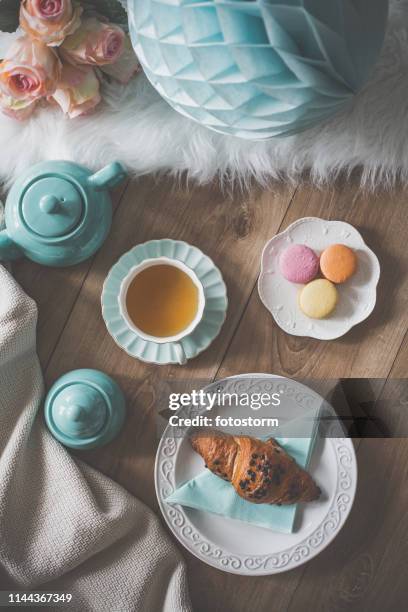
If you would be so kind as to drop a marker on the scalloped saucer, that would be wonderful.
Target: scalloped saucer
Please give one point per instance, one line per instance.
(357, 297)
(241, 548)
(214, 313)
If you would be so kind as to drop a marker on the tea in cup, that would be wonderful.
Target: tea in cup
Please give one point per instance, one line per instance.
(162, 300)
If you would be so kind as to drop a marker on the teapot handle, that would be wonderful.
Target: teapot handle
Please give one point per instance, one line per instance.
(110, 176)
(8, 249)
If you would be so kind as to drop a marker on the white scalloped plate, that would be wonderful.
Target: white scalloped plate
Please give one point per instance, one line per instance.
(215, 310)
(357, 297)
(241, 548)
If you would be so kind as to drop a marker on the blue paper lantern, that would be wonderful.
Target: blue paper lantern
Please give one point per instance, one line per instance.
(257, 68)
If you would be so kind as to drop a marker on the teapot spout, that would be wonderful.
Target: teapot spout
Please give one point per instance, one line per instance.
(8, 249)
(110, 176)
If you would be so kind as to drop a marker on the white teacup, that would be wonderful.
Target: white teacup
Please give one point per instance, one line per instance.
(175, 340)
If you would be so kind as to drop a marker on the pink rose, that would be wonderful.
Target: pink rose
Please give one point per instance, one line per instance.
(50, 20)
(104, 45)
(95, 43)
(17, 109)
(29, 71)
(78, 91)
(126, 66)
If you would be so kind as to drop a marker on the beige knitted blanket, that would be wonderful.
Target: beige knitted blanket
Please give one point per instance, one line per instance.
(63, 525)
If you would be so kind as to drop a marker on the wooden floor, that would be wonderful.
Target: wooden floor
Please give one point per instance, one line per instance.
(365, 568)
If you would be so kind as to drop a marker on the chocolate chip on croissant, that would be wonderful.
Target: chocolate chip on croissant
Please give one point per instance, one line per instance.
(260, 472)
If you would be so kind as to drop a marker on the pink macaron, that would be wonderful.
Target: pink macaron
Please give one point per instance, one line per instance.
(299, 264)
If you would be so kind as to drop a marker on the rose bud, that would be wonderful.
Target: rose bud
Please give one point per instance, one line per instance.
(17, 109)
(95, 43)
(50, 21)
(78, 91)
(126, 66)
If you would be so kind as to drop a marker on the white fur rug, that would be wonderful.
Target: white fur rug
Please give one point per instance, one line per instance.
(139, 128)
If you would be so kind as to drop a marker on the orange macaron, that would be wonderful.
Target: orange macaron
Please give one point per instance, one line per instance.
(338, 263)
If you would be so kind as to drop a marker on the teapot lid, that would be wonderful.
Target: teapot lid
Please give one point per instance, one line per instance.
(79, 411)
(52, 206)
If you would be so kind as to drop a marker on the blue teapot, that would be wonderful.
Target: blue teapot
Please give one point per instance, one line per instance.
(59, 213)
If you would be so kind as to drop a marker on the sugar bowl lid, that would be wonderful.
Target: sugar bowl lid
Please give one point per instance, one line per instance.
(52, 206)
(85, 409)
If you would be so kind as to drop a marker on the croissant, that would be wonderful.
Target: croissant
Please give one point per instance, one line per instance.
(260, 472)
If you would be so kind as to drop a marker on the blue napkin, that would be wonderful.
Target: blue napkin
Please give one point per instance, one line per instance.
(210, 493)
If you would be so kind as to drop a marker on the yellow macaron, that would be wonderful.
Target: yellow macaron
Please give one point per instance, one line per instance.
(318, 299)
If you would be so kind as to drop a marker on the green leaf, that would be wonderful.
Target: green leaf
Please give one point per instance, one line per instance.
(9, 10)
(112, 9)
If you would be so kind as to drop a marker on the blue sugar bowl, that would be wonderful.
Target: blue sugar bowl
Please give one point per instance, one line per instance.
(59, 213)
(85, 409)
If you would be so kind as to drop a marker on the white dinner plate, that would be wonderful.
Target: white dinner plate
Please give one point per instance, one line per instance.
(357, 297)
(241, 548)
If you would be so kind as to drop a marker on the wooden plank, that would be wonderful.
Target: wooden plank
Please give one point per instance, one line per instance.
(390, 410)
(370, 348)
(214, 590)
(55, 291)
(400, 366)
(364, 570)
